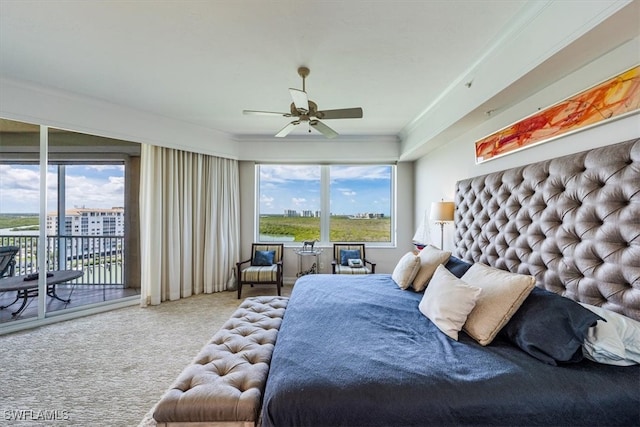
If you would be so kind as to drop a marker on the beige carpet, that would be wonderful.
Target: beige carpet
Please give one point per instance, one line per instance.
(107, 369)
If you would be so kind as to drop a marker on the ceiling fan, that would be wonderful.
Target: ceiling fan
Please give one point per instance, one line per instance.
(305, 110)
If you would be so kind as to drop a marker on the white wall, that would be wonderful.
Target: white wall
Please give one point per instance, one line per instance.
(320, 149)
(29, 103)
(384, 257)
(538, 32)
(437, 172)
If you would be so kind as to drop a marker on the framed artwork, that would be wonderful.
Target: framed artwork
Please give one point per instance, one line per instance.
(614, 98)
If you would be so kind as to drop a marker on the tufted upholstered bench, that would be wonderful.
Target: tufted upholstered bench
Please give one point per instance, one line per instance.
(224, 384)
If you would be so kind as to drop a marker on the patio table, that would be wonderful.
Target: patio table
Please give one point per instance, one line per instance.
(29, 288)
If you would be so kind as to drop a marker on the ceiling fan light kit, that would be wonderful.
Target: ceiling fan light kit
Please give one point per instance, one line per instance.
(305, 110)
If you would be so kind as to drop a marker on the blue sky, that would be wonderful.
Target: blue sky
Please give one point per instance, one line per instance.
(91, 186)
(354, 189)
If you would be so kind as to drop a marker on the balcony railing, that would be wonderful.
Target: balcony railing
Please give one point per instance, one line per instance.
(101, 258)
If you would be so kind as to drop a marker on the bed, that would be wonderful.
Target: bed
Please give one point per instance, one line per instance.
(358, 350)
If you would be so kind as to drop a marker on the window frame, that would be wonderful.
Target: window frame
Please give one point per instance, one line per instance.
(325, 202)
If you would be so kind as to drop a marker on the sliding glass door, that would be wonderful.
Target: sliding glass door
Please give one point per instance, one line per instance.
(81, 228)
(19, 219)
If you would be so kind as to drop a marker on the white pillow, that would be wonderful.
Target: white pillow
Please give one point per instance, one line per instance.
(355, 263)
(406, 270)
(447, 301)
(430, 258)
(502, 295)
(614, 342)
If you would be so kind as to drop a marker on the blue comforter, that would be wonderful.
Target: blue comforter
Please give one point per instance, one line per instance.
(356, 351)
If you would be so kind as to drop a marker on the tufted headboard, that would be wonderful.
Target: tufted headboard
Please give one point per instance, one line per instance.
(572, 222)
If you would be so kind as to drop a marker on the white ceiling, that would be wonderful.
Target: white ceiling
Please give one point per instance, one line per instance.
(203, 62)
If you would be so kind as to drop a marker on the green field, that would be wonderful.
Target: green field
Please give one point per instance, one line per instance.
(19, 220)
(342, 228)
(298, 229)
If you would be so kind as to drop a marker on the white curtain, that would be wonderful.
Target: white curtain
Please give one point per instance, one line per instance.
(189, 223)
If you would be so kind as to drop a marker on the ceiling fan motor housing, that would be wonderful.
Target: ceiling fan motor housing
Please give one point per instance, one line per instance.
(313, 110)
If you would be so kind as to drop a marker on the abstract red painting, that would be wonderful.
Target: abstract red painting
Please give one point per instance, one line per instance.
(614, 98)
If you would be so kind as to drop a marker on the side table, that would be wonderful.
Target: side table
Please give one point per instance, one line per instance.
(304, 254)
(29, 288)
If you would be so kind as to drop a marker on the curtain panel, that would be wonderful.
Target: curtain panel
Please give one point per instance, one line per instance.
(189, 225)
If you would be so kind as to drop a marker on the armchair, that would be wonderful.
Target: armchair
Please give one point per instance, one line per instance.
(343, 252)
(265, 267)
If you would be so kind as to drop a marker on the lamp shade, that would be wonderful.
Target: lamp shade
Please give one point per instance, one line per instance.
(442, 211)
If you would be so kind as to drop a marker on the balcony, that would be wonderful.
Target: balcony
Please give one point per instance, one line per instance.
(101, 259)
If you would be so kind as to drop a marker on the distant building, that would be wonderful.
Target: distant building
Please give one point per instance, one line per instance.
(88, 222)
(291, 213)
(82, 224)
(367, 215)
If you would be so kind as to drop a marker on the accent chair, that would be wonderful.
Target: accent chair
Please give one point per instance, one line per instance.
(346, 257)
(265, 267)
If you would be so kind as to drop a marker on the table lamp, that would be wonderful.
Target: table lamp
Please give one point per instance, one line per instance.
(441, 213)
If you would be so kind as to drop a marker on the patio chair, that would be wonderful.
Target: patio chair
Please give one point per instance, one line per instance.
(350, 258)
(265, 267)
(7, 260)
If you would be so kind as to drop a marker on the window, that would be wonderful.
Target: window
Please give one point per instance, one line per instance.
(329, 203)
(360, 203)
(289, 202)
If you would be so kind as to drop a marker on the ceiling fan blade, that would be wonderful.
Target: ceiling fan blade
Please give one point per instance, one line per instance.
(344, 113)
(287, 129)
(300, 99)
(265, 113)
(323, 129)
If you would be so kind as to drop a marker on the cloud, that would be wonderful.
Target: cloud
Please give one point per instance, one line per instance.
(20, 188)
(102, 168)
(266, 201)
(90, 192)
(361, 172)
(288, 173)
(347, 192)
(18, 177)
(298, 201)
